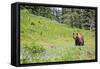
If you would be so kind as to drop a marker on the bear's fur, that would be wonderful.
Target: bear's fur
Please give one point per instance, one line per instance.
(79, 39)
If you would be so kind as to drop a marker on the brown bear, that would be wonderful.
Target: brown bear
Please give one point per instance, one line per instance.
(79, 39)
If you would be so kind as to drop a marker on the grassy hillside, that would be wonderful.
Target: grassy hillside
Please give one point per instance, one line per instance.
(45, 40)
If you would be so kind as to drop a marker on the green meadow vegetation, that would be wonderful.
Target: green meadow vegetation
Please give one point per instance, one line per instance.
(46, 40)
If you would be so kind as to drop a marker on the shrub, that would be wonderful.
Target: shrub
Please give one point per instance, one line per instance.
(35, 48)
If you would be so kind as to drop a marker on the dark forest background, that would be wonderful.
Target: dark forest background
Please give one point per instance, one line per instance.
(73, 17)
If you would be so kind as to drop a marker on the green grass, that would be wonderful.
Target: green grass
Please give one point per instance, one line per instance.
(45, 40)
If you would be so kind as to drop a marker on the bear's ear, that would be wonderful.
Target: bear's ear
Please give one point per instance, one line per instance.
(77, 33)
(74, 33)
